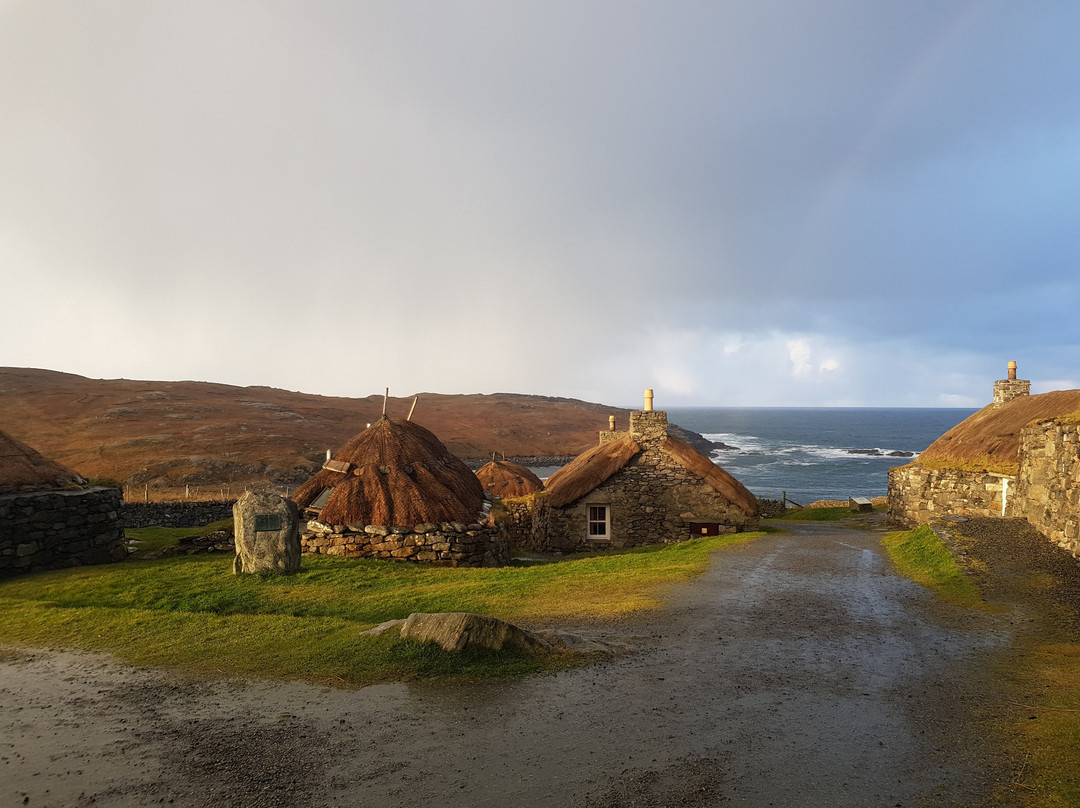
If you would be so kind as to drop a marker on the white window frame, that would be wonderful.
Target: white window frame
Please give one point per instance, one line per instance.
(591, 520)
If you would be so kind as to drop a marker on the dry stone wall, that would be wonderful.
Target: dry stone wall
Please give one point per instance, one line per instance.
(1048, 485)
(918, 494)
(177, 514)
(53, 529)
(450, 544)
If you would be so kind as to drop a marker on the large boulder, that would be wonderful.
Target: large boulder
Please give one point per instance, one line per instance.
(455, 631)
(267, 533)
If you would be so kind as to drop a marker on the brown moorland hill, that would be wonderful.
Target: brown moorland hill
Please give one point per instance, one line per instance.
(173, 434)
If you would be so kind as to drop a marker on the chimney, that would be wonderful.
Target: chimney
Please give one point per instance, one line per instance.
(1006, 390)
(648, 425)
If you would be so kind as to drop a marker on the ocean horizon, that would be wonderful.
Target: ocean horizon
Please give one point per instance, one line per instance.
(807, 451)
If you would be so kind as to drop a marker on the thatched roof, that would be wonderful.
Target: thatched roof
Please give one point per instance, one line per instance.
(990, 439)
(23, 467)
(506, 479)
(589, 470)
(394, 473)
(720, 481)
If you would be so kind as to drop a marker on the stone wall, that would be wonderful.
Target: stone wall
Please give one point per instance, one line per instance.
(451, 544)
(177, 514)
(1047, 490)
(52, 529)
(918, 494)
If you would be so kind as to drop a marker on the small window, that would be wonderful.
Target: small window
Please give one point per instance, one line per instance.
(598, 522)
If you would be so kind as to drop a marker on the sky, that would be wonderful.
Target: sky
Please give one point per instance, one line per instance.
(754, 203)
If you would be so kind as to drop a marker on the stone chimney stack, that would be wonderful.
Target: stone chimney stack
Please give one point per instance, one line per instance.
(648, 424)
(1006, 390)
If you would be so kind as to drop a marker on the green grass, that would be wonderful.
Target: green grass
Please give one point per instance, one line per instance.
(152, 540)
(921, 556)
(815, 514)
(192, 612)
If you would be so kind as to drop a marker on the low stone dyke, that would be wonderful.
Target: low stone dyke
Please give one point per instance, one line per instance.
(46, 530)
(1048, 486)
(918, 494)
(450, 544)
(177, 514)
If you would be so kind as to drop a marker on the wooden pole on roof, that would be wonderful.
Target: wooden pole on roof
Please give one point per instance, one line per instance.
(386, 396)
(413, 407)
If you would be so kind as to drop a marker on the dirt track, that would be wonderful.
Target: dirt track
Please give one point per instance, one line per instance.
(800, 670)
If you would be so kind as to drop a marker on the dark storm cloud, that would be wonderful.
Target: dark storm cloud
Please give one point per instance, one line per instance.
(769, 202)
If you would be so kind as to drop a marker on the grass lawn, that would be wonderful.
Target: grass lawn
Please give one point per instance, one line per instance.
(921, 556)
(191, 612)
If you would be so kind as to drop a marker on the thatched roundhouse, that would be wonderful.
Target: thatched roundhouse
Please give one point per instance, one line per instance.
(1019, 456)
(395, 491)
(50, 518)
(24, 468)
(394, 473)
(639, 486)
(505, 479)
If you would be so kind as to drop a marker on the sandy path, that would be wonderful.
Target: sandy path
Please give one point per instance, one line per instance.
(800, 670)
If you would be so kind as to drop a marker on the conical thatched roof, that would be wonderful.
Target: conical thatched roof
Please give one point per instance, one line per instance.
(394, 473)
(990, 439)
(23, 467)
(589, 470)
(506, 479)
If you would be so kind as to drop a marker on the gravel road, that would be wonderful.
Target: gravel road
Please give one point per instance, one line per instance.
(799, 670)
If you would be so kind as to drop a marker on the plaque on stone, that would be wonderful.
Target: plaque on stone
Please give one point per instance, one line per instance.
(267, 533)
(267, 521)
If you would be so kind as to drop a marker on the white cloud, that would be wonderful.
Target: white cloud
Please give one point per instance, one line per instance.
(799, 355)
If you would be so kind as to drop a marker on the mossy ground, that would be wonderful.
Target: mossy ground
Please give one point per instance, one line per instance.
(192, 612)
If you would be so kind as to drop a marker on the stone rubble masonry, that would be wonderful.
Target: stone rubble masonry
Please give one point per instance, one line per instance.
(188, 513)
(43, 530)
(1047, 489)
(450, 544)
(1008, 389)
(918, 494)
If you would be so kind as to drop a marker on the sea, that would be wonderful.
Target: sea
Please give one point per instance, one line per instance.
(806, 452)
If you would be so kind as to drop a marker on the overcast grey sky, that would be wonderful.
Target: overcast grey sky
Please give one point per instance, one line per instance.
(801, 202)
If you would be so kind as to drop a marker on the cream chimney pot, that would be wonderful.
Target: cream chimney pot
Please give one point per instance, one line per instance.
(611, 422)
(1012, 370)
(648, 400)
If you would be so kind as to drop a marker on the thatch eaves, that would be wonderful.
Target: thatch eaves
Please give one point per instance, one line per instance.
(399, 474)
(990, 438)
(506, 479)
(23, 467)
(589, 470)
(714, 476)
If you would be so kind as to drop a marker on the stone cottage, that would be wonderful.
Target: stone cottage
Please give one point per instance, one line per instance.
(50, 517)
(1016, 457)
(394, 491)
(637, 486)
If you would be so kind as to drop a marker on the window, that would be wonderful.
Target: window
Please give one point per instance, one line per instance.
(598, 522)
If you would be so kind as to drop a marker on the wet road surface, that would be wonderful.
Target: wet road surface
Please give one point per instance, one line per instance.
(799, 670)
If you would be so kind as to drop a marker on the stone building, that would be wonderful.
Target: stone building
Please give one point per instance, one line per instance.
(50, 517)
(637, 486)
(394, 491)
(1016, 457)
